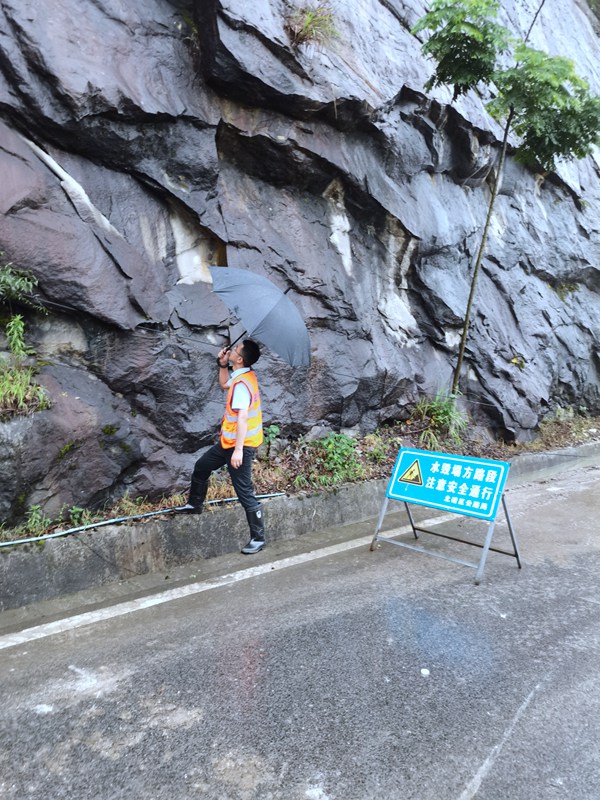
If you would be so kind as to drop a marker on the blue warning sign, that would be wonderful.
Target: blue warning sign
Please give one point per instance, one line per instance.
(464, 485)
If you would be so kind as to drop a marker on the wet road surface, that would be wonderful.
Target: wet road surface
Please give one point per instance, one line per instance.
(324, 671)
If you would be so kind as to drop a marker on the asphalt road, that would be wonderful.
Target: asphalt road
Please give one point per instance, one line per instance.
(319, 670)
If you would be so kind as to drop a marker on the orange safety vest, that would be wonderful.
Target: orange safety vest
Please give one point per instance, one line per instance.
(254, 434)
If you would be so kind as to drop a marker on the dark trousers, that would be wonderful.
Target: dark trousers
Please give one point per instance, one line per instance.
(217, 457)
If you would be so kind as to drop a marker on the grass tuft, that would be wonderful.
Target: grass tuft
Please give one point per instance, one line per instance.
(311, 23)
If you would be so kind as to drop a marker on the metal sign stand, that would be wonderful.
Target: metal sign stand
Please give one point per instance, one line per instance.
(486, 546)
(408, 486)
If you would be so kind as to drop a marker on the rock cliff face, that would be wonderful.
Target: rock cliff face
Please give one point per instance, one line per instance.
(141, 143)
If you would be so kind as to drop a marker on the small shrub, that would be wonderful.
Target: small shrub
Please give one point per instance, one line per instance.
(441, 417)
(36, 523)
(15, 334)
(375, 448)
(271, 432)
(337, 459)
(300, 482)
(19, 391)
(19, 394)
(18, 286)
(78, 517)
(127, 507)
(311, 23)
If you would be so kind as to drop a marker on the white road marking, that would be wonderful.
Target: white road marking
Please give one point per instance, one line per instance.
(473, 787)
(131, 606)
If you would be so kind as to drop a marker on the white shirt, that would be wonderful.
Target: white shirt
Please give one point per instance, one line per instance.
(241, 396)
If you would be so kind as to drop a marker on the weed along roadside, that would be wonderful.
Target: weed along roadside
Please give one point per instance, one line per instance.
(20, 392)
(34, 572)
(303, 464)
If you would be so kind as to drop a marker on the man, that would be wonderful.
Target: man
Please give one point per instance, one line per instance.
(241, 434)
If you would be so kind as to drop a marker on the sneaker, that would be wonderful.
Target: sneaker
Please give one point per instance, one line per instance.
(188, 508)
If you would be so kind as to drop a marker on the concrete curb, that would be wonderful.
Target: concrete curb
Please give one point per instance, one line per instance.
(529, 467)
(35, 572)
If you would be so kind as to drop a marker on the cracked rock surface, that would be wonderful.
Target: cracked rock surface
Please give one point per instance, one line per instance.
(141, 145)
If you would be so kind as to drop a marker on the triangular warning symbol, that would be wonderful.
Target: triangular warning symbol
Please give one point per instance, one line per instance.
(412, 474)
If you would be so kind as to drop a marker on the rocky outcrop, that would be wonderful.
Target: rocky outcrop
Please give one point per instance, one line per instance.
(142, 143)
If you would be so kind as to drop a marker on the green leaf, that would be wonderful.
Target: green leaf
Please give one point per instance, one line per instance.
(551, 108)
(465, 42)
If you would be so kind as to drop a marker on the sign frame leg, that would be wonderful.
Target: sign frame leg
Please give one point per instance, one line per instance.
(513, 536)
(379, 522)
(484, 553)
(412, 522)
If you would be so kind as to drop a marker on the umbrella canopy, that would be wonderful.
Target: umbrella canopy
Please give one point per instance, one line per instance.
(265, 311)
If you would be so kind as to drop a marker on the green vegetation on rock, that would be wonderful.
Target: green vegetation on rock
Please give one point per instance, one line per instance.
(19, 391)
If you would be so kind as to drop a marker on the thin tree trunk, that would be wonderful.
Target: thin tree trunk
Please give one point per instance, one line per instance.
(484, 238)
(533, 21)
(480, 252)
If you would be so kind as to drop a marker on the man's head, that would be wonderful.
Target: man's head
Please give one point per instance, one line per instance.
(244, 354)
(250, 352)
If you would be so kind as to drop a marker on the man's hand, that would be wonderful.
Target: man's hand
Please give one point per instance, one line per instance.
(237, 457)
(242, 428)
(223, 357)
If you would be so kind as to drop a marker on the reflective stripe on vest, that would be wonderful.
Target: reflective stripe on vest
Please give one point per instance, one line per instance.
(254, 434)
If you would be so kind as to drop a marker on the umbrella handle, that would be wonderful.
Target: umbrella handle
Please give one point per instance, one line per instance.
(237, 340)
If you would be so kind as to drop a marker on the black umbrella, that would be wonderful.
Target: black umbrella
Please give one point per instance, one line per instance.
(265, 311)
